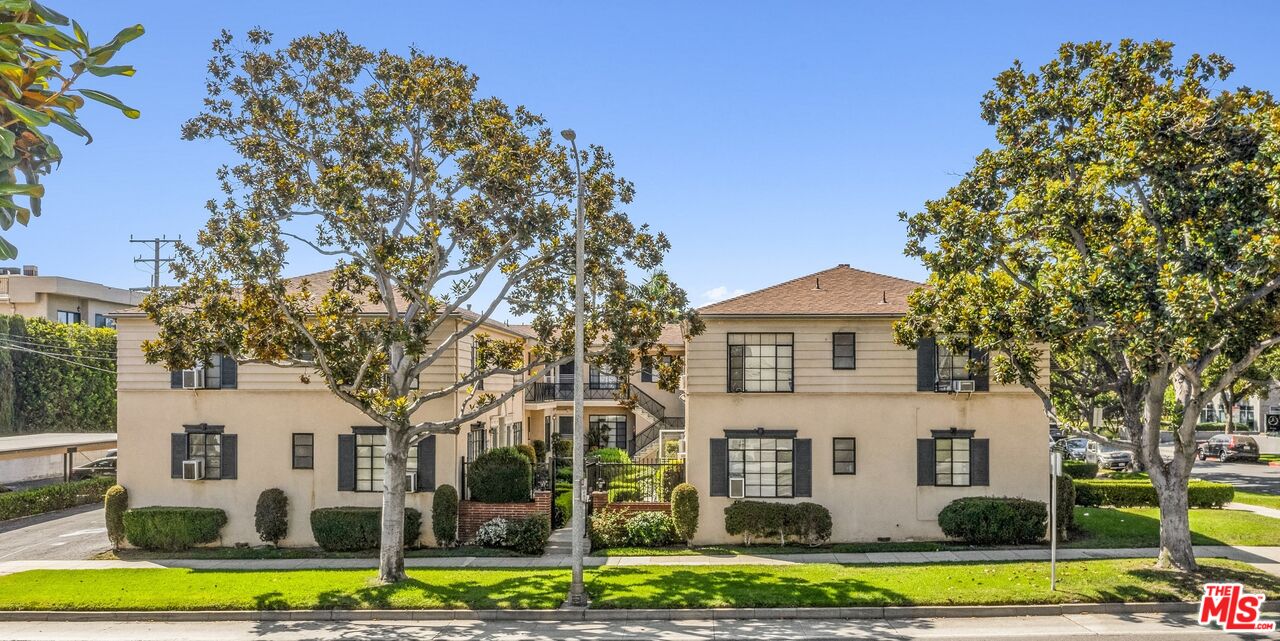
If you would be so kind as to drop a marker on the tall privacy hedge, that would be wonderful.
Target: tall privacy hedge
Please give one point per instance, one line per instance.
(41, 391)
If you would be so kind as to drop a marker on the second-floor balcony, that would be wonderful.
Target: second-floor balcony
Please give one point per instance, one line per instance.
(563, 391)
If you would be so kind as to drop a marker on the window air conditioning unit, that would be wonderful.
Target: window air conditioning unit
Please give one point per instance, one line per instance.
(963, 386)
(682, 448)
(193, 379)
(192, 470)
(737, 487)
(410, 483)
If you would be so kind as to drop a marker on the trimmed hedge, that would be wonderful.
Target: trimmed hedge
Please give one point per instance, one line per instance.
(529, 535)
(348, 529)
(114, 503)
(808, 522)
(53, 497)
(1140, 493)
(608, 528)
(173, 528)
(50, 395)
(684, 510)
(1080, 469)
(562, 506)
(444, 516)
(611, 455)
(501, 475)
(650, 529)
(271, 517)
(980, 520)
(1066, 502)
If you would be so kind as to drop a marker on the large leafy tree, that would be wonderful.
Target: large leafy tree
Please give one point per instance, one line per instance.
(41, 63)
(428, 198)
(1126, 221)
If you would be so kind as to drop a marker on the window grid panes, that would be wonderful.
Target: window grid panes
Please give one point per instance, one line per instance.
(371, 464)
(304, 451)
(951, 458)
(207, 448)
(68, 317)
(601, 378)
(760, 363)
(843, 345)
(764, 464)
(614, 428)
(844, 456)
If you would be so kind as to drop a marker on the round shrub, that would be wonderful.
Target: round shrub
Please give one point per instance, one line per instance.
(608, 528)
(563, 447)
(348, 529)
(501, 475)
(444, 516)
(172, 528)
(529, 535)
(684, 511)
(651, 529)
(809, 522)
(529, 453)
(755, 519)
(1080, 469)
(115, 502)
(271, 517)
(994, 521)
(539, 449)
(493, 533)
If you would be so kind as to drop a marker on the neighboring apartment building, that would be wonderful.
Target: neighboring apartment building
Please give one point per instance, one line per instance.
(25, 292)
(257, 426)
(797, 392)
(1260, 412)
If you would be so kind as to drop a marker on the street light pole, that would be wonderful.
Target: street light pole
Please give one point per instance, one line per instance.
(577, 590)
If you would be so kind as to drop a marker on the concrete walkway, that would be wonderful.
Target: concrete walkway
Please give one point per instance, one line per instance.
(1256, 509)
(1267, 558)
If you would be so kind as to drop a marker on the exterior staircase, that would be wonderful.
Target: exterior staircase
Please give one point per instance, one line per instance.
(647, 441)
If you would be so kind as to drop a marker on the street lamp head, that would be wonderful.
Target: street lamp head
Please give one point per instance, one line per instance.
(568, 134)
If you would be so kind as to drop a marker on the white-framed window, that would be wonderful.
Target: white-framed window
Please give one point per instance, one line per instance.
(371, 450)
(760, 362)
(765, 464)
(951, 461)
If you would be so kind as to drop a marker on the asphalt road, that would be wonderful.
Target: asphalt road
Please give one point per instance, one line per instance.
(74, 534)
(1252, 477)
(1044, 628)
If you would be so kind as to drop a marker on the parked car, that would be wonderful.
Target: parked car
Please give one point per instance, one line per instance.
(1108, 457)
(101, 467)
(1075, 448)
(1229, 447)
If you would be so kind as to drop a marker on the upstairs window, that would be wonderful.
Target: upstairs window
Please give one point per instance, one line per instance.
(68, 317)
(220, 372)
(760, 362)
(99, 320)
(843, 350)
(601, 377)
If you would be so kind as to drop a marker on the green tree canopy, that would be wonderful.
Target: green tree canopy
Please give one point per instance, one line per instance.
(1125, 221)
(428, 198)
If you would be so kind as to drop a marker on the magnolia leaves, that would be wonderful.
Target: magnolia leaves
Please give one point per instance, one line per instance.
(40, 64)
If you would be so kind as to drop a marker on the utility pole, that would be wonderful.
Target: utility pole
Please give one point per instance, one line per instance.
(578, 516)
(156, 261)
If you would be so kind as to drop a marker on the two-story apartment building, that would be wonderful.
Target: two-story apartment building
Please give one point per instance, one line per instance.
(257, 426)
(25, 292)
(797, 392)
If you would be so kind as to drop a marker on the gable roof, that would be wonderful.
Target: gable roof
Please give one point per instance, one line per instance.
(839, 291)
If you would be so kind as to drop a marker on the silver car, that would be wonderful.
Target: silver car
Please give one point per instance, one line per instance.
(1109, 457)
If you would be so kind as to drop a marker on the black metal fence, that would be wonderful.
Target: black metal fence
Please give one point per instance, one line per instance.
(635, 482)
(563, 391)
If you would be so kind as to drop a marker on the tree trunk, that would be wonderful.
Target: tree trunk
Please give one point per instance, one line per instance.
(1229, 421)
(391, 552)
(1175, 526)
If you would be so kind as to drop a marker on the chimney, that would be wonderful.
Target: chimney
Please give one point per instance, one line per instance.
(846, 265)
(884, 297)
(817, 282)
(30, 270)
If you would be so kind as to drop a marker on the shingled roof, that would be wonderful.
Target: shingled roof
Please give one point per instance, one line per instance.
(839, 291)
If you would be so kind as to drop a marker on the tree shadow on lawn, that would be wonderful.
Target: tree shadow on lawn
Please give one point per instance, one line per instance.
(517, 592)
(624, 587)
(1111, 527)
(1180, 586)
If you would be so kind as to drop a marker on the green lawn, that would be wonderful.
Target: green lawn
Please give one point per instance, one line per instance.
(1254, 498)
(295, 553)
(1140, 527)
(621, 587)
(737, 550)
(1269, 458)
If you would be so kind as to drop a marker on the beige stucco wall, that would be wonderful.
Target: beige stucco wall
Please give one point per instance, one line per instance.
(878, 404)
(44, 296)
(268, 406)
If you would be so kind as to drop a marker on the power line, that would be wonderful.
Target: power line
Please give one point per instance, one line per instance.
(157, 261)
(58, 358)
(36, 350)
(45, 345)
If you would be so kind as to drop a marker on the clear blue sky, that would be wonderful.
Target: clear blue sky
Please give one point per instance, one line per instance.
(769, 140)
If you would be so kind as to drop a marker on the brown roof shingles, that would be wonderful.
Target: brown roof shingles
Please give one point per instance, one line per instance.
(839, 291)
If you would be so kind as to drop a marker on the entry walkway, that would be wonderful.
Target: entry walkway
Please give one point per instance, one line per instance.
(1256, 509)
(1266, 558)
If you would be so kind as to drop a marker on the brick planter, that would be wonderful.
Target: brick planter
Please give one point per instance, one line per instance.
(473, 514)
(600, 500)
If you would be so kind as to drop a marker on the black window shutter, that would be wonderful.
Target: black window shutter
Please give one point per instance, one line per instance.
(925, 472)
(177, 453)
(229, 449)
(927, 365)
(175, 379)
(229, 372)
(346, 462)
(979, 461)
(981, 377)
(427, 464)
(802, 470)
(719, 467)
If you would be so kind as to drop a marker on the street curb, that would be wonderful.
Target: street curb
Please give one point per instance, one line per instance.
(885, 612)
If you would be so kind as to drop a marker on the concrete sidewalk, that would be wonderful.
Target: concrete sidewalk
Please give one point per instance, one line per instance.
(1256, 509)
(1267, 558)
(1133, 627)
